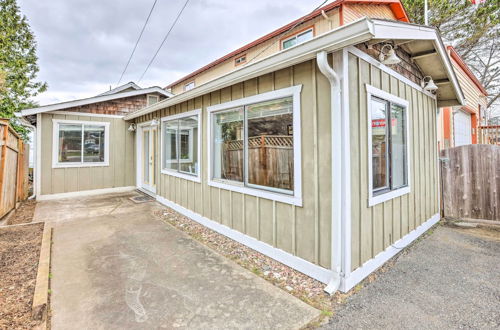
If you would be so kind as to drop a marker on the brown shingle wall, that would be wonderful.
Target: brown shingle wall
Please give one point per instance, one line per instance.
(114, 107)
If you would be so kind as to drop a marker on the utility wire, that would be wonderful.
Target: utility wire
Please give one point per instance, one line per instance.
(164, 39)
(285, 32)
(136, 43)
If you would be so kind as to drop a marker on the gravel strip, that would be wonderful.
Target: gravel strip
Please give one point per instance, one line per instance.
(19, 253)
(24, 214)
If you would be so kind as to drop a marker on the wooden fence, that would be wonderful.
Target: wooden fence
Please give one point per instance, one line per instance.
(14, 157)
(470, 178)
(489, 134)
(270, 159)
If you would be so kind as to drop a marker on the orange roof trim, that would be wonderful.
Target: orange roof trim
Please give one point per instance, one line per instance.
(395, 5)
(454, 55)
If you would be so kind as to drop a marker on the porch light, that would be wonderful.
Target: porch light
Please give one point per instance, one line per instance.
(390, 57)
(428, 85)
(132, 127)
(154, 122)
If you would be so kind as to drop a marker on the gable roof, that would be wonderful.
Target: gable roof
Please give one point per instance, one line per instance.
(395, 5)
(99, 98)
(129, 85)
(420, 38)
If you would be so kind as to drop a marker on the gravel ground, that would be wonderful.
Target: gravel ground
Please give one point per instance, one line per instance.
(24, 213)
(448, 281)
(19, 253)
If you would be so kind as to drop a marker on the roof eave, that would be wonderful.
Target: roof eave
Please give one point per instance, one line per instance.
(346, 35)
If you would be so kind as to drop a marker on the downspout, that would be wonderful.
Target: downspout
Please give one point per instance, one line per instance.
(33, 129)
(336, 152)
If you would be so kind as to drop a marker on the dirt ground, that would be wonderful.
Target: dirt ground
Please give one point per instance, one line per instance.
(19, 254)
(24, 213)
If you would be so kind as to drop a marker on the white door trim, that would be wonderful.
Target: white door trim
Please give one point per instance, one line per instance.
(139, 161)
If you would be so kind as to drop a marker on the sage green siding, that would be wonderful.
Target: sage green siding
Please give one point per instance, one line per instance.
(376, 228)
(119, 173)
(302, 231)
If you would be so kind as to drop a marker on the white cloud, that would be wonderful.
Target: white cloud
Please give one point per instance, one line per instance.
(84, 45)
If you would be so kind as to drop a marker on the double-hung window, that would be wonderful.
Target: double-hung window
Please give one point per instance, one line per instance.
(80, 143)
(180, 145)
(388, 146)
(255, 145)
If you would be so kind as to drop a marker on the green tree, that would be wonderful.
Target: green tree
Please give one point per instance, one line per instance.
(18, 64)
(473, 30)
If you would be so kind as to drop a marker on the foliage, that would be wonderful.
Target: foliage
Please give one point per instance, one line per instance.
(18, 64)
(473, 30)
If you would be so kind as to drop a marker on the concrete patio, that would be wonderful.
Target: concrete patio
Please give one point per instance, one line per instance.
(115, 266)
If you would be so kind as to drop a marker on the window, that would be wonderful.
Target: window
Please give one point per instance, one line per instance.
(80, 144)
(180, 141)
(240, 60)
(189, 86)
(388, 146)
(297, 38)
(255, 145)
(152, 99)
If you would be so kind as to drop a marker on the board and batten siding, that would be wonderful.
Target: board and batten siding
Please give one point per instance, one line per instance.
(119, 173)
(302, 231)
(378, 227)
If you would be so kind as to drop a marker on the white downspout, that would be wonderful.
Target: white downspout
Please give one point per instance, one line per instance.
(336, 128)
(35, 143)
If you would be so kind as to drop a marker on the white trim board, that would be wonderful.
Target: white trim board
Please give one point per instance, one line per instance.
(317, 272)
(373, 264)
(38, 155)
(84, 114)
(86, 193)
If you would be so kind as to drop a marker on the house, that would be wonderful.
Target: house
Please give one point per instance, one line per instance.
(460, 125)
(84, 145)
(291, 154)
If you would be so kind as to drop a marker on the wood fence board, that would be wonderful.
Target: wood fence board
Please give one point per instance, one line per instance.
(471, 182)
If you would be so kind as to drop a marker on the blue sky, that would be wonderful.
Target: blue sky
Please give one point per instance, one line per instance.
(83, 45)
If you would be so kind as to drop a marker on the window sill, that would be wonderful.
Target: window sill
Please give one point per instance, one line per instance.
(73, 165)
(288, 199)
(194, 178)
(374, 200)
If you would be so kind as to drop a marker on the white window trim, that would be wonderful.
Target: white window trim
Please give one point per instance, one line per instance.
(191, 177)
(295, 36)
(189, 83)
(152, 95)
(294, 198)
(374, 200)
(55, 143)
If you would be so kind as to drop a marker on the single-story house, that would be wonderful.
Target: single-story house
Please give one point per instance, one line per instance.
(322, 155)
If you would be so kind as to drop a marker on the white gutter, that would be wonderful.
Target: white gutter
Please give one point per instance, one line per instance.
(336, 154)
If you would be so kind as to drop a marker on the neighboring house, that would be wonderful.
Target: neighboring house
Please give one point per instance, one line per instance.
(460, 125)
(325, 19)
(84, 144)
(292, 155)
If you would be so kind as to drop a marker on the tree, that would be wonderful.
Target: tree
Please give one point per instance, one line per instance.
(473, 30)
(18, 64)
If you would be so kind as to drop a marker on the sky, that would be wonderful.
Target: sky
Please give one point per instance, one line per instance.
(84, 45)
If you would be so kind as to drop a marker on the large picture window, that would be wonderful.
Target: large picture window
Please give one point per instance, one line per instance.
(180, 144)
(80, 144)
(254, 145)
(388, 145)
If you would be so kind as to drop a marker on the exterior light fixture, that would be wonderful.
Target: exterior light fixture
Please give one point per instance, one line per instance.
(154, 122)
(132, 127)
(428, 84)
(390, 57)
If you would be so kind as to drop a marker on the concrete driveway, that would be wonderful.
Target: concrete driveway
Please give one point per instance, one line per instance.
(449, 280)
(115, 266)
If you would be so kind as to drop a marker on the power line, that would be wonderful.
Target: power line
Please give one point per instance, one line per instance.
(285, 32)
(164, 39)
(137, 42)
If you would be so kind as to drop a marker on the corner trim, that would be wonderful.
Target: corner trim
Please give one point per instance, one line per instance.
(317, 272)
(86, 193)
(373, 264)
